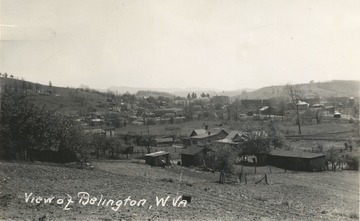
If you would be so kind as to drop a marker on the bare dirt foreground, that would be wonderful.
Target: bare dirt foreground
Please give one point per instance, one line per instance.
(289, 196)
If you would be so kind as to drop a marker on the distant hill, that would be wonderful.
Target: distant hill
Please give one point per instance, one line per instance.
(73, 100)
(154, 94)
(322, 89)
(181, 92)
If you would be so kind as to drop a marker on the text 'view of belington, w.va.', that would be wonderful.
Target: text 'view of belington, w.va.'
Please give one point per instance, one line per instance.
(179, 110)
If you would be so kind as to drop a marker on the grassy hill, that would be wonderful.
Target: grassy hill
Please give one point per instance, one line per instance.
(67, 100)
(322, 89)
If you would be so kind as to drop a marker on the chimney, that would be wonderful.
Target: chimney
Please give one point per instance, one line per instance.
(209, 133)
(206, 127)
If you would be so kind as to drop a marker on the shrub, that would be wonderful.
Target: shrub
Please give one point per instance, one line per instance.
(352, 162)
(168, 180)
(351, 120)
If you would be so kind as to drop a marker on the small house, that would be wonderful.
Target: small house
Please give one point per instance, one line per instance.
(302, 105)
(207, 138)
(337, 115)
(295, 160)
(233, 139)
(193, 156)
(158, 158)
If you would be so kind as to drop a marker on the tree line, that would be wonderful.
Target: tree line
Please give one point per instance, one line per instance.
(29, 131)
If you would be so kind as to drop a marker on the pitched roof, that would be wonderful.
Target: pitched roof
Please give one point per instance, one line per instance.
(234, 137)
(199, 131)
(297, 154)
(230, 137)
(263, 108)
(155, 154)
(232, 134)
(193, 150)
(208, 133)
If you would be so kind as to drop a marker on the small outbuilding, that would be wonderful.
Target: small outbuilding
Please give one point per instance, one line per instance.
(193, 156)
(159, 158)
(337, 115)
(295, 160)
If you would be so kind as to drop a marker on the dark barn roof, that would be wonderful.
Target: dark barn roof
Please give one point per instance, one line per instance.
(193, 150)
(295, 154)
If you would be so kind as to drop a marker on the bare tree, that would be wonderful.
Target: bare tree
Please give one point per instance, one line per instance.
(224, 161)
(294, 94)
(318, 116)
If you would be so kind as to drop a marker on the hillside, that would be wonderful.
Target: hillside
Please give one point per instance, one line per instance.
(322, 89)
(67, 100)
(71, 100)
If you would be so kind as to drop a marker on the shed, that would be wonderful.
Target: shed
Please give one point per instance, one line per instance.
(156, 158)
(295, 160)
(193, 156)
(337, 115)
(261, 159)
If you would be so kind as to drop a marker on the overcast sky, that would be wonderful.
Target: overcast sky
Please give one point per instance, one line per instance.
(224, 45)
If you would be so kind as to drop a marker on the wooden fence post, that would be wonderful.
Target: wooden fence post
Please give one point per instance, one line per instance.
(266, 179)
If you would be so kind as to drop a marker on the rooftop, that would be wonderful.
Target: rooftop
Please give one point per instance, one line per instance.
(201, 133)
(264, 108)
(155, 154)
(297, 154)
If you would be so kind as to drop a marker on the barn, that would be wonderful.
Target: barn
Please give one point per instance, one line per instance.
(193, 156)
(156, 158)
(295, 160)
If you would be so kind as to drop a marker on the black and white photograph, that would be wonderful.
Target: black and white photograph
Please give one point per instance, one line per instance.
(179, 110)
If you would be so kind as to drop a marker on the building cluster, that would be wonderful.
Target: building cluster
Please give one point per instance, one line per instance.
(201, 142)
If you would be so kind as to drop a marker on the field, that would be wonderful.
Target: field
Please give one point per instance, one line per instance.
(289, 196)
